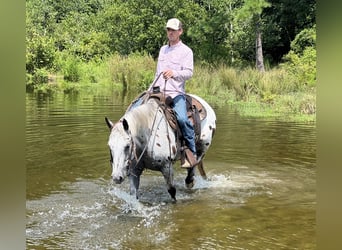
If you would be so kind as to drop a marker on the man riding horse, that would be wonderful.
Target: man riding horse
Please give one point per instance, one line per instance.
(144, 137)
(175, 65)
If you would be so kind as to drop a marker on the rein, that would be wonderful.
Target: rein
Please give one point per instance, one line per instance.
(134, 152)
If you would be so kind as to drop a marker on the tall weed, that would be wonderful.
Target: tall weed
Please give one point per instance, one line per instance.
(134, 72)
(69, 66)
(275, 91)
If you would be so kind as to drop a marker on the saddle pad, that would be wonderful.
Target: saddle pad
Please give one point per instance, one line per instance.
(191, 102)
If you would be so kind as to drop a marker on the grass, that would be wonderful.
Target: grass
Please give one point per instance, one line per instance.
(275, 94)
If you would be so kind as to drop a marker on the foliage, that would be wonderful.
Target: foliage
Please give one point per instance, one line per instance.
(40, 75)
(250, 9)
(84, 44)
(40, 53)
(134, 73)
(71, 70)
(98, 28)
(305, 38)
(210, 34)
(283, 20)
(302, 66)
(273, 93)
(301, 60)
(243, 84)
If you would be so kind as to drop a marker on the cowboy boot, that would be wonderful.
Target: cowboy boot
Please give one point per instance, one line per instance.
(190, 159)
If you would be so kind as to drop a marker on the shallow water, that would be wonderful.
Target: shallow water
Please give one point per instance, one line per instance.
(261, 192)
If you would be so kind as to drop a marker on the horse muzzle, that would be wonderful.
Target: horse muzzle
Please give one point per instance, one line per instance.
(118, 180)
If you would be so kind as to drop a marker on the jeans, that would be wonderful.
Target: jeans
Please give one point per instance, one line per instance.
(179, 106)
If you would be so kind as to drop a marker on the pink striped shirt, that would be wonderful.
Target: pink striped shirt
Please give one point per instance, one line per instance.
(178, 58)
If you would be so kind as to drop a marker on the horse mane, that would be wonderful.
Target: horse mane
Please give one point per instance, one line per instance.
(141, 116)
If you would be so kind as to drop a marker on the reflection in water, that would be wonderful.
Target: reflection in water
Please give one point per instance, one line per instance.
(261, 193)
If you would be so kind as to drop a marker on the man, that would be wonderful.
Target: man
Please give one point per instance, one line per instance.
(174, 67)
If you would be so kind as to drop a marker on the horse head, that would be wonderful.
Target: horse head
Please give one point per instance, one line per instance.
(121, 149)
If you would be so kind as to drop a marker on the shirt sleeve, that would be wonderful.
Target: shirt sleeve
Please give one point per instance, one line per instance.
(187, 68)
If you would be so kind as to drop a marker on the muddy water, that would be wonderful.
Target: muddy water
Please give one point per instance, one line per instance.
(261, 192)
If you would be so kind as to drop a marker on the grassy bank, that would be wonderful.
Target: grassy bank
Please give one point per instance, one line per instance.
(275, 93)
(272, 94)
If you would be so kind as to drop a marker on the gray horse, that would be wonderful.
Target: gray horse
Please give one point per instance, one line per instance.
(143, 139)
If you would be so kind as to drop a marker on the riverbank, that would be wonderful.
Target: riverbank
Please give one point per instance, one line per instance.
(276, 93)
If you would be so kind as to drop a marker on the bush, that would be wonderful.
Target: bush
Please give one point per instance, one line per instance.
(71, 69)
(305, 38)
(301, 60)
(40, 76)
(40, 53)
(303, 67)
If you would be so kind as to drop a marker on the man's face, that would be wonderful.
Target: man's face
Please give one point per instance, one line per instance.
(173, 35)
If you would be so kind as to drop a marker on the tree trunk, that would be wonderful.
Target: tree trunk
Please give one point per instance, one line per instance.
(259, 56)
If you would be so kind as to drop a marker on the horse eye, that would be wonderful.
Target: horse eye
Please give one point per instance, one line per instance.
(126, 148)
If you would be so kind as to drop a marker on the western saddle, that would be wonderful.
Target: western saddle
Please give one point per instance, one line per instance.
(196, 113)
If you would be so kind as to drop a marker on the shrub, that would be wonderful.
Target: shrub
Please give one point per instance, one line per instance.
(305, 38)
(40, 53)
(40, 76)
(303, 67)
(71, 69)
(301, 60)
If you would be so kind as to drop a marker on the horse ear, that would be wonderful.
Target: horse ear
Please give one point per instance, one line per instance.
(109, 123)
(125, 124)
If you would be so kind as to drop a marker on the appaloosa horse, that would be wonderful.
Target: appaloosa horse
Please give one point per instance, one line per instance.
(143, 139)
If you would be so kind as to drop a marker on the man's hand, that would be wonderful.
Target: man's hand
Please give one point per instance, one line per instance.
(167, 74)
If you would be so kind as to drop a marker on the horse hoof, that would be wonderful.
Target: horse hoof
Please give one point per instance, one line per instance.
(190, 184)
(172, 192)
(189, 181)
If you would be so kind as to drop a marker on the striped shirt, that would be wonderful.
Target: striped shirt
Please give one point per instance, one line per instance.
(178, 58)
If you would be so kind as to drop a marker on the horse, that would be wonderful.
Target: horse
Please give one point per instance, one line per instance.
(143, 139)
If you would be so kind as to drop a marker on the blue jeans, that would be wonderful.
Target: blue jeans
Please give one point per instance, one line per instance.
(179, 106)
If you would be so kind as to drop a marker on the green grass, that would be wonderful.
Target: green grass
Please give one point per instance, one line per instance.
(272, 94)
(275, 94)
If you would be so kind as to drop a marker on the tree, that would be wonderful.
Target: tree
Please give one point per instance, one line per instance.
(250, 12)
(232, 32)
(211, 34)
(283, 20)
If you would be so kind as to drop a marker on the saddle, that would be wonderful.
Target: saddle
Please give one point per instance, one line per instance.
(195, 110)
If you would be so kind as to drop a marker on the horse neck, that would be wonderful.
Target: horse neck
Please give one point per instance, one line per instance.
(141, 118)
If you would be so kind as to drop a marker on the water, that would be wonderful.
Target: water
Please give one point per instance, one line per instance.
(261, 192)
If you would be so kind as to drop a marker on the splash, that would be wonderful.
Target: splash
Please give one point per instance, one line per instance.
(97, 215)
(215, 181)
(130, 206)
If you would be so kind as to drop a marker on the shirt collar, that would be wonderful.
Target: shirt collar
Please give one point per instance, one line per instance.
(177, 44)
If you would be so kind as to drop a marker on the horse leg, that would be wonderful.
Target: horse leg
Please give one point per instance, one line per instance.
(134, 185)
(168, 176)
(201, 170)
(189, 180)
